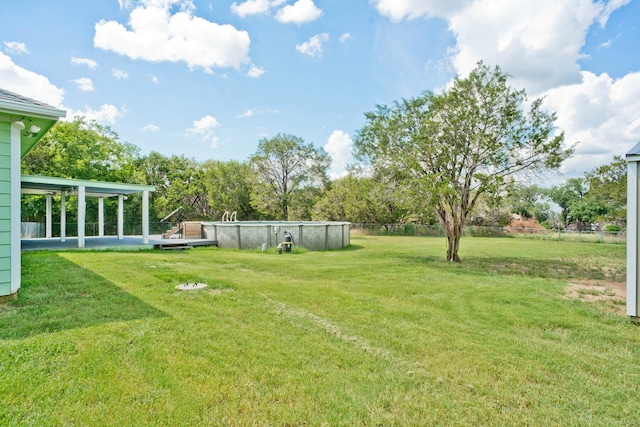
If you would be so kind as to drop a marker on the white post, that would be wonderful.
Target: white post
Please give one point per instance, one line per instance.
(100, 216)
(48, 216)
(15, 209)
(120, 217)
(145, 217)
(82, 211)
(632, 236)
(63, 217)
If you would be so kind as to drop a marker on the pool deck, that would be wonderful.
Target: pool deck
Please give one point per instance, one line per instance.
(111, 242)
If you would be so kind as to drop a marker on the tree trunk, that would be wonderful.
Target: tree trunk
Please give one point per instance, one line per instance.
(453, 242)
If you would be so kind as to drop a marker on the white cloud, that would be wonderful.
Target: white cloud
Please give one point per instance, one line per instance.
(16, 48)
(156, 35)
(398, 10)
(89, 63)
(345, 37)
(246, 114)
(340, 147)
(27, 83)
(84, 84)
(255, 71)
(600, 113)
(606, 44)
(254, 7)
(125, 4)
(151, 128)
(298, 13)
(153, 79)
(204, 128)
(313, 46)
(106, 114)
(539, 43)
(120, 74)
(257, 111)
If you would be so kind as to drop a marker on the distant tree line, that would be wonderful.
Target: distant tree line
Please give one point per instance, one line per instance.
(597, 200)
(454, 158)
(285, 179)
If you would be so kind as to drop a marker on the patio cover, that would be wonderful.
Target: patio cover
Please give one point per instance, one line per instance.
(32, 184)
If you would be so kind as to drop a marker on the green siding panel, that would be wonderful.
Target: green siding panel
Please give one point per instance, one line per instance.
(5, 289)
(5, 208)
(5, 188)
(5, 215)
(5, 132)
(5, 161)
(5, 274)
(5, 158)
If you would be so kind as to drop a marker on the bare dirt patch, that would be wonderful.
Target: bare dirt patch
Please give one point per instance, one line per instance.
(612, 294)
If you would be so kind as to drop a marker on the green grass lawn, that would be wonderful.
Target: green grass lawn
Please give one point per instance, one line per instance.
(384, 332)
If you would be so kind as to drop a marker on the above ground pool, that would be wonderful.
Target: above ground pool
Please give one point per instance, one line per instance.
(312, 235)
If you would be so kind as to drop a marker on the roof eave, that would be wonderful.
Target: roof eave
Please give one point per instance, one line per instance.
(21, 109)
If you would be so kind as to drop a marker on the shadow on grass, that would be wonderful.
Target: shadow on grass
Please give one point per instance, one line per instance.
(544, 268)
(351, 247)
(57, 294)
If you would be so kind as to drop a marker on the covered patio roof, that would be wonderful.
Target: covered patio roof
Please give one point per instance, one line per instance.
(48, 186)
(33, 184)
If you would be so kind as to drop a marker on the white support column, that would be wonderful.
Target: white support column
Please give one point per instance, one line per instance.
(100, 216)
(632, 236)
(48, 216)
(82, 212)
(15, 209)
(145, 217)
(120, 216)
(63, 217)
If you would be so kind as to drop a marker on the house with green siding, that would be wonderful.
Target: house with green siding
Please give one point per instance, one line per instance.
(23, 122)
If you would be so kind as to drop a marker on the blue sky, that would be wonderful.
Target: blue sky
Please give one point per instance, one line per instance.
(210, 79)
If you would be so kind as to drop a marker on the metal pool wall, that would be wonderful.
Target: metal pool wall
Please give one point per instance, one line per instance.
(312, 235)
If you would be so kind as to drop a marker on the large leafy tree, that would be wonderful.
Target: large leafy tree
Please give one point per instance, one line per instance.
(585, 212)
(179, 181)
(289, 174)
(529, 201)
(81, 149)
(229, 186)
(455, 146)
(364, 200)
(571, 193)
(608, 188)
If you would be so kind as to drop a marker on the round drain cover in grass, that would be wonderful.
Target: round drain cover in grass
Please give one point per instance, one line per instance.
(191, 286)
